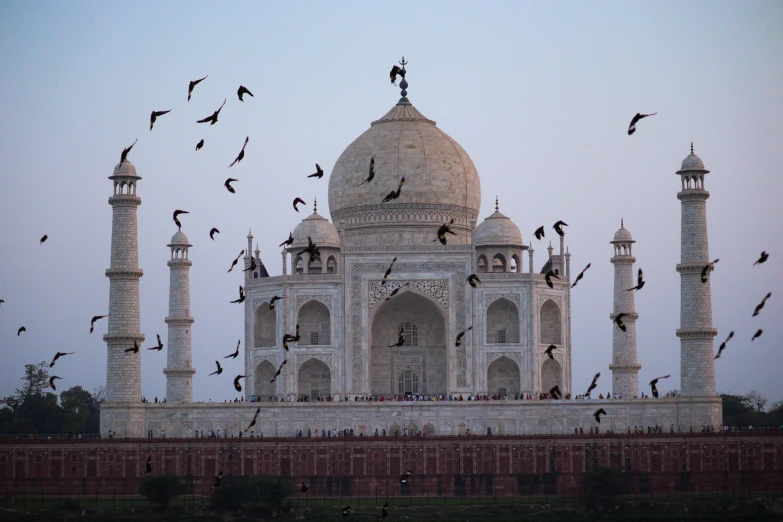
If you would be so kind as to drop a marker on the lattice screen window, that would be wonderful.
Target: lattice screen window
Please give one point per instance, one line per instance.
(408, 381)
(314, 393)
(411, 332)
(502, 392)
(313, 338)
(501, 337)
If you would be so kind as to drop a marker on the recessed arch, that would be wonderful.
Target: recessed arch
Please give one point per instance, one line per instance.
(265, 372)
(315, 379)
(551, 323)
(315, 324)
(503, 377)
(551, 375)
(298, 265)
(502, 322)
(314, 265)
(331, 265)
(265, 327)
(516, 263)
(499, 263)
(482, 264)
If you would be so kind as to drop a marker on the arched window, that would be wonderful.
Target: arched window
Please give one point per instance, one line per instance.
(264, 373)
(550, 323)
(408, 382)
(314, 265)
(498, 263)
(331, 265)
(411, 333)
(315, 379)
(482, 264)
(516, 263)
(264, 328)
(315, 324)
(255, 275)
(502, 322)
(298, 265)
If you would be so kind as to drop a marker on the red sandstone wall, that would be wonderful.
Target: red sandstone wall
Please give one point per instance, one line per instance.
(440, 465)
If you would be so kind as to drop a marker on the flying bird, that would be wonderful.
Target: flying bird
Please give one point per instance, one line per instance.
(125, 151)
(443, 230)
(400, 340)
(346, 511)
(581, 275)
(288, 241)
(219, 369)
(212, 233)
(371, 174)
(598, 414)
(461, 334)
(252, 265)
(757, 334)
(593, 384)
(236, 352)
(253, 422)
(236, 260)
(192, 84)
(394, 194)
(555, 392)
(199, 145)
(134, 349)
(388, 271)
(58, 355)
(723, 344)
(319, 172)
(51, 381)
(272, 301)
(548, 278)
(20, 330)
(303, 487)
(154, 116)
(761, 304)
(44, 238)
(396, 290)
(176, 221)
(237, 386)
(241, 296)
(96, 318)
(472, 280)
(228, 186)
(706, 270)
(539, 233)
(385, 511)
(2, 301)
(298, 200)
(639, 282)
(279, 370)
(761, 258)
(218, 479)
(557, 226)
(404, 478)
(288, 338)
(241, 154)
(148, 467)
(242, 91)
(654, 382)
(394, 72)
(214, 118)
(618, 319)
(632, 126)
(548, 351)
(159, 346)
(311, 249)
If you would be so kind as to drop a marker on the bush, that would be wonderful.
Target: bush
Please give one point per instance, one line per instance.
(264, 490)
(603, 485)
(162, 489)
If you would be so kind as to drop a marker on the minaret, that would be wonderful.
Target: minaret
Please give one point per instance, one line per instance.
(697, 366)
(179, 367)
(624, 367)
(123, 369)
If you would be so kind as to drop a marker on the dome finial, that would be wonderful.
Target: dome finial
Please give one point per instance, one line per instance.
(621, 223)
(315, 205)
(404, 82)
(691, 147)
(497, 207)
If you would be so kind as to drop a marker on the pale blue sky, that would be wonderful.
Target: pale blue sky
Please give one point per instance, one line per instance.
(539, 94)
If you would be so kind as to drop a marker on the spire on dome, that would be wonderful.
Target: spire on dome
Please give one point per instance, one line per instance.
(691, 147)
(315, 205)
(497, 207)
(621, 223)
(403, 84)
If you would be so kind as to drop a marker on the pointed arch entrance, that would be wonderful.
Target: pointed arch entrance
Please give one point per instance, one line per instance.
(419, 365)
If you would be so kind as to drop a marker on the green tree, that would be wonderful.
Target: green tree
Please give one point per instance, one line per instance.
(162, 489)
(270, 490)
(602, 486)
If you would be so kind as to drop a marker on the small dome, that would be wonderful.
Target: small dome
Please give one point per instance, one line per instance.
(124, 169)
(692, 162)
(623, 235)
(179, 238)
(497, 229)
(317, 227)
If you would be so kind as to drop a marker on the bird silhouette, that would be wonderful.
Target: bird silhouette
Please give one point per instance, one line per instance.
(706, 270)
(632, 126)
(761, 304)
(134, 349)
(236, 352)
(443, 230)
(125, 152)
(555, 392)
(311, 249)
(288, 241)
(557, 226)
(241, 296)
(233, 264)
(20, 330)
(148, 467)
(279, 370)
(404, 478)
(757, 334)
(539, 233)
(385, 510)
(762, 258)
(400, 340)
(159, 346)
(394, 72)
(219, 369)
(252, 265)
(581, 275)
(218, 480)
(176, 221)
(346, 511)
(237, 386)
(388, 271)
(548, 278)
(228, 186)
(472, 280)
(241, 154)
(96, 318)
(723, 344)
(288, 338)
(242, 91)
(394, 194)
(2, 301)
(273, 300)
(192, 84)
(653, 382)
(618, 320)
(639, 282)
(396, 290)
(371, 173)
(199, 145)
(598, 414)
(298, 200)
(253, 422)
(214, 118)
(593, 384)
(51, 381)
(43, 238)
(212, 233)
(303, 487)
(319, 172)
(461, 334)
(154, 116)
(58, 355)
(549, 349)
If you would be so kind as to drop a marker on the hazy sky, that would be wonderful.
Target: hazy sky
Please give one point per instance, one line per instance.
(539, 94)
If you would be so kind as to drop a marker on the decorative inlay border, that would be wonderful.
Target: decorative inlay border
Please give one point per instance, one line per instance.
(543, 298)
(437, 289)
(258, 359)
(408, 248)
(326, 358)
(514, 356)
(513, 297)
(325, 299)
